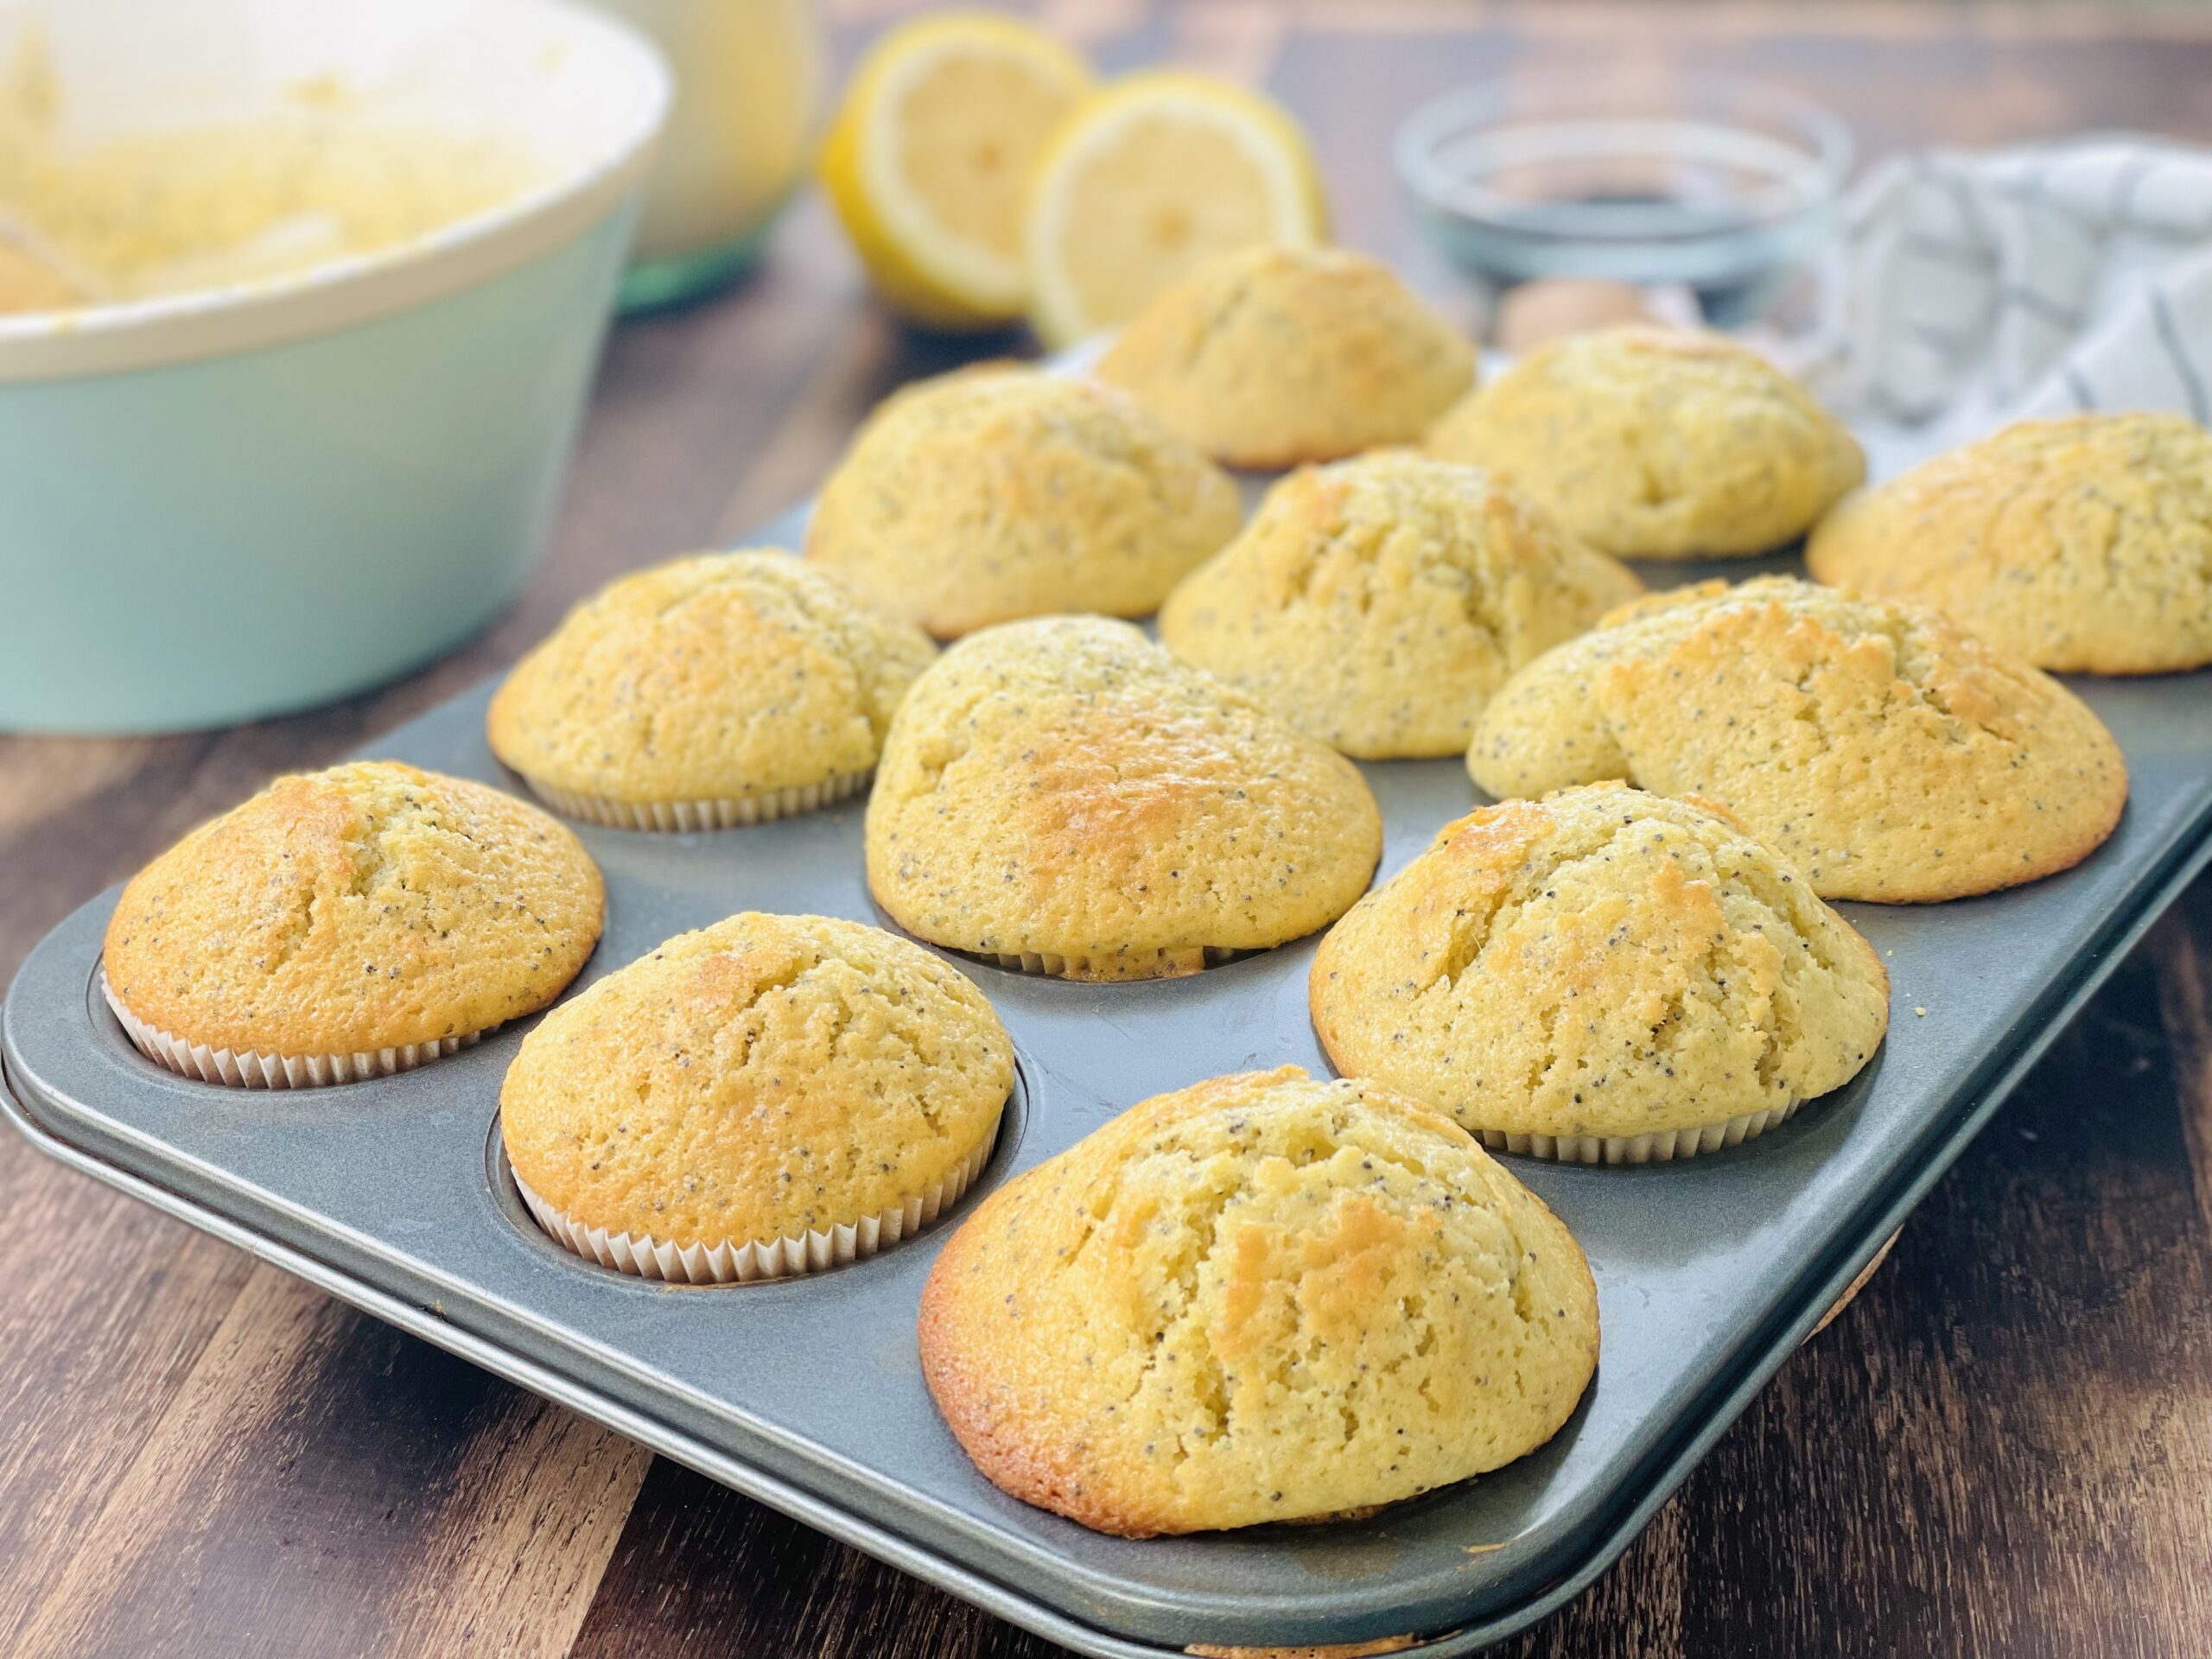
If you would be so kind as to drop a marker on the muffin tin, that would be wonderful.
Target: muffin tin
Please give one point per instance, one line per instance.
(807, 1394)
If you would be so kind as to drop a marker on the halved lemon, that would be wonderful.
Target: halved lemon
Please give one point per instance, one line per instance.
(930, 158)
(1149, 179)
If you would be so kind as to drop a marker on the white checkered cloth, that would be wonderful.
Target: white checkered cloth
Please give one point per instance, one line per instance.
(1970, 289)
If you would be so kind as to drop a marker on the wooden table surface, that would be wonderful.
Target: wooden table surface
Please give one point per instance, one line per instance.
(2004, 1446)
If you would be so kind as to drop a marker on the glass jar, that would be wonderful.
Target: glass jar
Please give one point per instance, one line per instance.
(1635, 173)
(750, 80)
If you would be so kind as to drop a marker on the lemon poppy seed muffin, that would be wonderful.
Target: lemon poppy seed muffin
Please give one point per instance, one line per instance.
(1652, 443)
(708, 691)
(1261, 1297)
(1602, 975)
(2081, 545)
(1272, 356)
(1063, 796)
(347, 923)
(1884, 751)
(769, 1095)
(996, 494)
(1376, 603)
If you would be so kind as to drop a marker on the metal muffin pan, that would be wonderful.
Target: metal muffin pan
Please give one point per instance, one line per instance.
(807, 1393)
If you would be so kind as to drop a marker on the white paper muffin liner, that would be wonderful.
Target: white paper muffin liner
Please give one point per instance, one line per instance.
(722, 812)
(244, 1068)
(1660, 1146)
(1151, 964)
(738, 1262)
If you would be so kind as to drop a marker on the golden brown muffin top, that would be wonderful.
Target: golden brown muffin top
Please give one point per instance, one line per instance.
(1064, 787)
(2081, 546)
(368, 906)
(1653, 444)
(1603, 962)
(716, 676)
(1262, 1298)
(1884, 751)
(1272, 356)
(754, 1080)
(1000, 493)
(1376, 603)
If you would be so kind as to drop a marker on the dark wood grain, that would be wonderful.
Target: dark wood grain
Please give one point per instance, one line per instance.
(347, 1462)
(2003, 1446)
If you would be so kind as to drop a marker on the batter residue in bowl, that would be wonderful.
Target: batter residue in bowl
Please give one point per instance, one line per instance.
(322, 176)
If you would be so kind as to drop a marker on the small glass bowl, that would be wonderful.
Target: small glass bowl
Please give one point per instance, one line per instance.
(1719, 184)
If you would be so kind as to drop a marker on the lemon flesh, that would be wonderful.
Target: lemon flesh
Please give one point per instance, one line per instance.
(929, 159)
(1151, 179)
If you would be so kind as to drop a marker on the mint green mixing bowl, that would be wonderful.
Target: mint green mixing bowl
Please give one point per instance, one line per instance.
(240, 503)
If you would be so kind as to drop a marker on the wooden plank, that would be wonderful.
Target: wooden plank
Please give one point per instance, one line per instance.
(777, 1588)
(100, 1323)
(2181, 947)
(1608, 23)
(320, 1484)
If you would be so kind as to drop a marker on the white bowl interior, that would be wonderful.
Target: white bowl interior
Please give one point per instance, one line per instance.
(581, 95)
(535, 71)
